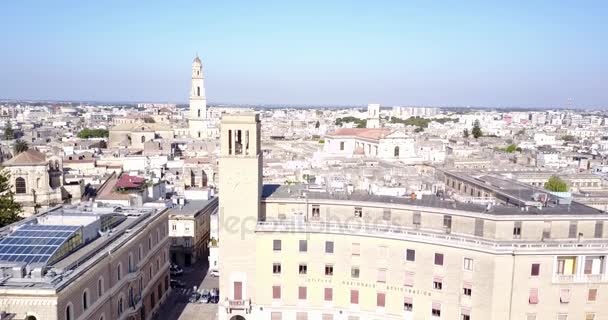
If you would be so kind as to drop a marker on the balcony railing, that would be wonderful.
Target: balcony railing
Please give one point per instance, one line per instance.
(244, 305)
(584, 278)
(413, 234)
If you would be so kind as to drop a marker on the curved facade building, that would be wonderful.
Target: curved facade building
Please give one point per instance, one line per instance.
(289, 253)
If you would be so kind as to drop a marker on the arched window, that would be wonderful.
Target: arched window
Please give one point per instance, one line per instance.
(150, 242)
(38, 186)
(192, 178)
(199, 113)
(140, 253)
(20, 185)
(120, 306)
(198, 94)
(85, 300)
(396, 152)
(204, 174)
(130, 262)
(69, 313)
(100, 287)
(143, 139)
(119, 271)
(157, 235)
(31, 318)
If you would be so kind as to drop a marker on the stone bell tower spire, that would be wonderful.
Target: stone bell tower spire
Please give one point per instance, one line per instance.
(198, 103)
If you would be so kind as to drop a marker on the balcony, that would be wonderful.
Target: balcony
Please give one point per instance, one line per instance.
(583, 278)
(237, 305)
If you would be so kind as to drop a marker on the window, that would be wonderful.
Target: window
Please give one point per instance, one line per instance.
(358, 212)
(416, 219)
(301, 315)
(356, 249)
(276, 316)
(316, 211)
(592, 295)
(328, 294)
(303, 268)
(119, 271)
(467, 289)
(533, 297)
(69, 313)
(437, 283)
(382, 275)
(531, 316)
(517, 230)
(276, 292)
(380, 300)
(276, 245)
(562, 316)
(341, 145)
(547, 230)
(479, 227)
(329, 247)
(599, 229)
(535, 270)
(408, 304)
(354, 272)
(468, 264)
(174, 227)
(276, 268)
(302, 293)
(439, 259)
(354, 296)
(329, 270)
(410, 255)
(409, 279)
(593, 265)
(396, 152)
(20, 185)
(100, 287)
(589, 316)
(436, 309)
(386, 214)
(564, 295)
(120, 304)
(303, 246)
(447, 223)
(85, 300)
(572, 230)
(566, 265)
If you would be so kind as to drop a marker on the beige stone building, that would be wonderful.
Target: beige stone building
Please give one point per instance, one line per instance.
(83, 263)
(134, 135)
(289, 253)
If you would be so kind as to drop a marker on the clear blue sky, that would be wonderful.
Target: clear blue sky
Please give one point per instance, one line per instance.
(455, 53)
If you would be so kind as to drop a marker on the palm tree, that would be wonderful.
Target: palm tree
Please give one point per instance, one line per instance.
(20, 146)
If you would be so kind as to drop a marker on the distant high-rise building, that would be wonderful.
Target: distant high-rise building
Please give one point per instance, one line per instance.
(197, 120)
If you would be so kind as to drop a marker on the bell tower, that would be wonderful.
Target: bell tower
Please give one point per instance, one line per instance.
(240, 191)
(373, 116)
(198, 103)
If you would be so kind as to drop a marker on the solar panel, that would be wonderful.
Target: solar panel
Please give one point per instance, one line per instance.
(32, 243)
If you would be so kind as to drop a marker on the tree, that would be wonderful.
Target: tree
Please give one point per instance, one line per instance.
(511, 148)
(465, 133)
(556, 184)
(20, 146)
(92, 133)
(477, 129)
(9, 209)
(9, 133)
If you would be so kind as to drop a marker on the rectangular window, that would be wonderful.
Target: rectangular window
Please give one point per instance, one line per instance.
(386, 214)
(329, 247)
(382, 275)
(354, 297)
(276, 245)
(408, 304)
(436, 309)
(328, 294)
(276, 268)
(589, 316)
(467, 289)
(599, 229)
(439, 259)
(517, 230)
(276, 315)
(356, 249)
(465, 314)
(327, 316)
(354, 272)
(276, 292)
(468, 264)
(358, 212)
(535, 270)
(341, 145)
(562, 316)
(573, 229)
(533, 297)
(417, 219)
(316, 212)
(593, 265)
(547, 230)
(447, 223)
(380, 300)
(437, 283)
(302, 293)
(303, 268)
(301, 315)
(479, 227)
(566, 265)
(592, 295)
(409, 279)
(303, 245)
(564, 295)
(410, 255)
(329, 270)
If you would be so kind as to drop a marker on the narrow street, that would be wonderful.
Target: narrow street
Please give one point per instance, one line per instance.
(177, 307)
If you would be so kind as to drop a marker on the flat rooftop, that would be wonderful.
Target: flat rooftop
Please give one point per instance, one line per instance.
(277, 192)
(191, 208)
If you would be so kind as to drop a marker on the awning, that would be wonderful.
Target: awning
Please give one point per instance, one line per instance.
(564, 295)
(467, 285)
(436, 306)
(533, 299)
(465, 311)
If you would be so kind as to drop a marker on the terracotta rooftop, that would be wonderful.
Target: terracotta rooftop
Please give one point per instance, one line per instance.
(366, 133)
(29, 157)
(127, 181)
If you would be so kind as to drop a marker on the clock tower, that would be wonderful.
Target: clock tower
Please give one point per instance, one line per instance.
(240, 191)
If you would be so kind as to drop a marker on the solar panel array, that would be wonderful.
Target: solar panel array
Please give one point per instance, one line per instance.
(32, 243)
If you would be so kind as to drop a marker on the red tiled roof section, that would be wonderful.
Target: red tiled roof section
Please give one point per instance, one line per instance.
(127, 181)
(28, 157)
(367, 133)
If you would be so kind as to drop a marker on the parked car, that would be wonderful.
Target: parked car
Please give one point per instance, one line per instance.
(177, 284)
(176, 270)
(215, 295)
(205, 296)
(214, 273)
(194, 297)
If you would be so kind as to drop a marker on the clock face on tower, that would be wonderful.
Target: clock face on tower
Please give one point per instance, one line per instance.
(238, 179)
